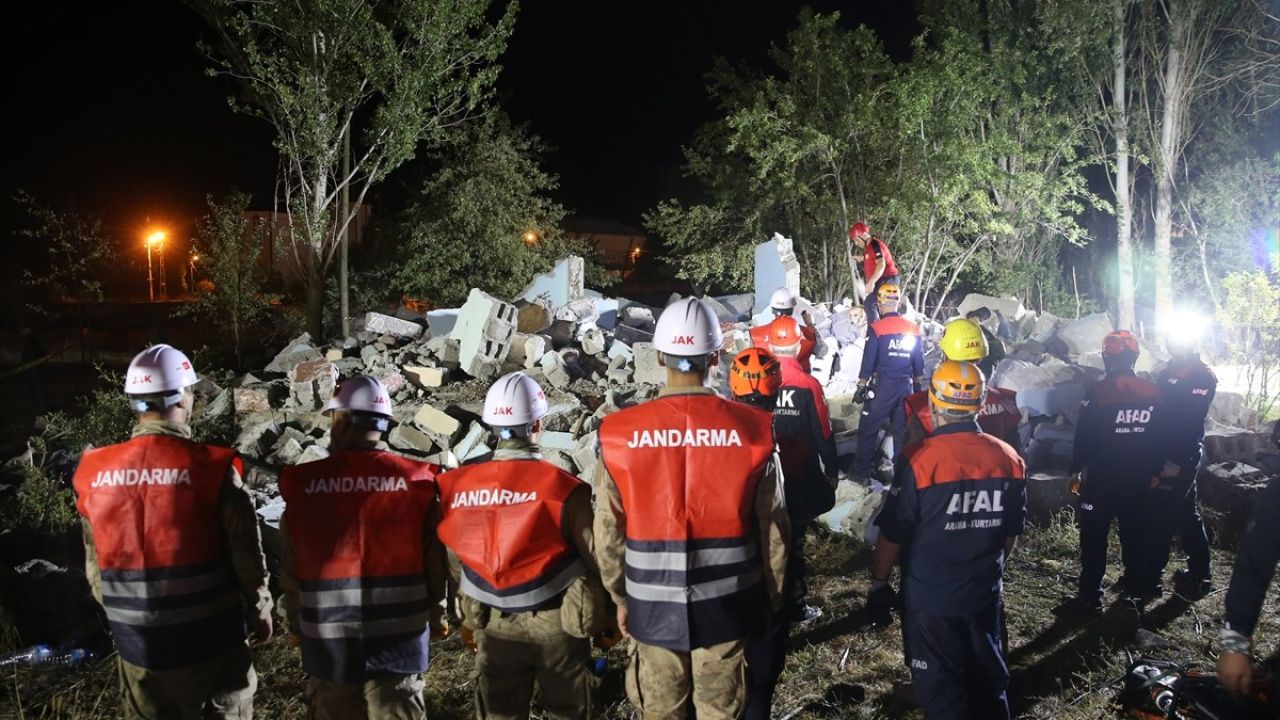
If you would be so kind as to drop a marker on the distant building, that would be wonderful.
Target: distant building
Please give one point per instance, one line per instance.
(277, 254)
(618, 245)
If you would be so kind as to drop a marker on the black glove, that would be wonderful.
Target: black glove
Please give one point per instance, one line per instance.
(863, 394)
(880, 604)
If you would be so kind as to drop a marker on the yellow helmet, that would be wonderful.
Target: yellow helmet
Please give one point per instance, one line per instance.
(888, 294)
(957, 388)
(963, 340)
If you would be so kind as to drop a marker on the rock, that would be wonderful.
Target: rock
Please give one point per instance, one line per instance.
(1019, 376)
(562, 285)
(444, 349)
(647, 369)
(473, 439)
(1060, 399)
(593, 341)
(424, 377)
(394, 326)
(484, 330)
(1011, 307)
(222, 404)
(333, 354)
(1086, 333)
(298, 350)
(1230, 489)
(532, 317)
(255, 399)
(776, 266)
(409, 439)
(439, 425)
(441, 322)
(1046, 326)
(1229, 408)
(555, 370)
(369, 355)
(1047, 493)
(258, 432)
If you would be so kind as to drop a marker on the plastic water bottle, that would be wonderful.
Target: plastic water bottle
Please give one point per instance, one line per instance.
(47, 656)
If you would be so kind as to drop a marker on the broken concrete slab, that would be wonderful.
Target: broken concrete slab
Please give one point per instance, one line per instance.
(444, 349)
(647, 369)
(776, 267)
(593, 341)
(473, 438)
(484, 330)
(438, 424)
(1086, 333)
(532, 317)
(1010, 307)
(441, 322)
(1229, 408)
(255, 399)
(424, 377)
(558, 441)
(555, 370)
(298, 350)
(409, 439)
(560, 286)
(394, 326)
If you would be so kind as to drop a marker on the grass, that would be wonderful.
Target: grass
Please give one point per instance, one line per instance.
(838, 667)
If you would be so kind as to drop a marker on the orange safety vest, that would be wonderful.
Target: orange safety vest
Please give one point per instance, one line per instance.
(687, 468)
(168, 587)
(503, 519)
(999, 415)
(356, 522)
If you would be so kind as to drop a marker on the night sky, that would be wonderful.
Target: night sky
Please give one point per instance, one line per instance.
(111, 113)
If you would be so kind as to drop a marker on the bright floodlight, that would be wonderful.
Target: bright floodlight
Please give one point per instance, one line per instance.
(1184, 326)
(156, 237)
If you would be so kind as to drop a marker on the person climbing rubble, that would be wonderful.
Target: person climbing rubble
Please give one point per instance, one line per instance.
(164, 515)
(691, 529)
(530, 593)
(892, 366)
(878, 267)
(361, 572)
(961, 520)
(1116, 457)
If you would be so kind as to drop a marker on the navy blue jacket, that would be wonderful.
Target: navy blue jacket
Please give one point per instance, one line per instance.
(1256, 563)
(894, 352)
(958, 496)
(1117, 437)
(1188, 389)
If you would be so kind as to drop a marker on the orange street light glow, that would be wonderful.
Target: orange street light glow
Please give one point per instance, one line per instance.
(156, 238)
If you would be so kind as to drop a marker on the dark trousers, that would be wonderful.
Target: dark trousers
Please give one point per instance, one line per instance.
(957, 664)
(886, 406)
(1180, 515)
(871, 302)
(767, 653)
(1094, 519)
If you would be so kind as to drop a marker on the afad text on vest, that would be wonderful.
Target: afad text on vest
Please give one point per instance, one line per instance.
(701, 437)
(357, 484)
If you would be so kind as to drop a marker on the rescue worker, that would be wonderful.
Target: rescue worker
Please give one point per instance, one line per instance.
(1115, 458)
(892, 364)
(690, 528)
(878, 267)
(964, 340)
(800, 414)
(1255, 567)
(959, 503)
(754, 379)
(521, 529)
(173, 554)
(362, 574)
(1188, 386)
(783, 304)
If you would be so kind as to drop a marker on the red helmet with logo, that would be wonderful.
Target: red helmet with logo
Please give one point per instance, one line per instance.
(858, 230)
(754, 373)
(1118, 342)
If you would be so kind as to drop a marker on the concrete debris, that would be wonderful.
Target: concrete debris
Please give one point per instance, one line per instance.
(1085, 334)
(776, 267)
(394, 326)
(484, 330)
(647, 369)
(441, 322)
(532, 316)
(1010, 308)
(561, 286)
(424, 377)
(298, 350)
(441, 426)
(411, 440)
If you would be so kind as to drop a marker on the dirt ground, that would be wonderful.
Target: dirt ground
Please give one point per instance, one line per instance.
(838, 668)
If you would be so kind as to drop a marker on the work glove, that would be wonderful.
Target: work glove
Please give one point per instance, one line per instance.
(469, 638)
(863, 394)
(880, 604)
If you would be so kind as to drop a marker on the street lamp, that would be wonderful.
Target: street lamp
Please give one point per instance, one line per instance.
(154, 241)
(191, 264)
(531, 238)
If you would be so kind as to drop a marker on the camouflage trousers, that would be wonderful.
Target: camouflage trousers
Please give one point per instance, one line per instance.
(517, 651)
(395, 697)
(661, 682)
(220, 688)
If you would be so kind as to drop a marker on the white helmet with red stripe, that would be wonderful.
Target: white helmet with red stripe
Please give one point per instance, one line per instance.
(159, 370)
(688, 328)
(515, 399)
(782, 300)
(361, 393)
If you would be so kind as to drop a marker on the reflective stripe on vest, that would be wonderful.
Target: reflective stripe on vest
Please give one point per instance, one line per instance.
(687, 468)
(504, 521)
(167, 588)
(356, 523)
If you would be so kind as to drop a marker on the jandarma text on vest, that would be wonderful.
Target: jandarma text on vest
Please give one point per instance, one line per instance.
(701, 437)
(492, 496)
(357, 484)
(145, 476)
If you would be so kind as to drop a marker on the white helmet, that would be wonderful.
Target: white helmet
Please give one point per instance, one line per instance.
(515, 399)
(688, 328)
(159, 370)
(361, 393)
(782, 299)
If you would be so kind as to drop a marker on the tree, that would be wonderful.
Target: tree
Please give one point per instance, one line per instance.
(392, 74)
(232, 298)
(483, 218)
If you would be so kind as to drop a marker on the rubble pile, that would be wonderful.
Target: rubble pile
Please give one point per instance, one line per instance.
(594, 354)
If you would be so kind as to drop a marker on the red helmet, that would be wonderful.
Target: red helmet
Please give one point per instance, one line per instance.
(785, 335)
(1118, 342)
(858, 229)
(754, 373)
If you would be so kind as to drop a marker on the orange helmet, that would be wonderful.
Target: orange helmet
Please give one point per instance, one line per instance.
(957, 387)
(785, 335)
(754, 373)
(1119, 341)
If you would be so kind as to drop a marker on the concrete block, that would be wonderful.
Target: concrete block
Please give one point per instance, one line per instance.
(1010, 306)
(444, 349)
(298, 350)
(776, 266)
(473, 438)
(584, 457)
(606, 313)
(484, 330)
(1060, 399)
(256, 399)
(424, 377)
(555, 370)
(593, 341)
(563, 284)
(438, 424)
(311, 453)
(285, 453)
(1086, 333)
(258, 432)
(647, 369)
(1230, 488)
(635, 315)
(1018, 375)
(479, 453)
(619, 376)
(441, 322)
(369, 355)
(394, 326)
(577, 311)
(618, 349)
(532, 317)
(558, 441)
(392, 380)
(409, 439)
(560, 460)
(220, 405)
(333, 354)
(1229, 408)
(1047, 493)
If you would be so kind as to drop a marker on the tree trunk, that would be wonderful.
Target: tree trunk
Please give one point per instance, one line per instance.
(315, 297)
(1124, 204)
(1167, 154)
